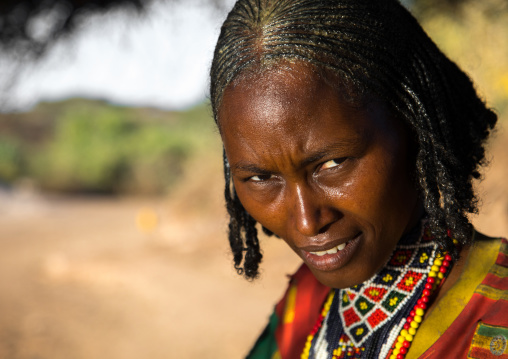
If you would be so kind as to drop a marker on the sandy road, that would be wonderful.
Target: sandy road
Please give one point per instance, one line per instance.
(78, 279)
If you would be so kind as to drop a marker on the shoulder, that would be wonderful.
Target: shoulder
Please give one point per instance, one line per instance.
(473, 314)
(293, 318)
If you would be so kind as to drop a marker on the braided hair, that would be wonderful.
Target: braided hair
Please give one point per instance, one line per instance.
(376, 47)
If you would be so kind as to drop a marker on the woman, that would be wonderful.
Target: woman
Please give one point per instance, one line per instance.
(349, 135)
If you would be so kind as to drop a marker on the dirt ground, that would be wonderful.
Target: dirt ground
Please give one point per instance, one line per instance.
(117, 278)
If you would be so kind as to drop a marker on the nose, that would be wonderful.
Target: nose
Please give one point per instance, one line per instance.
(311, 214)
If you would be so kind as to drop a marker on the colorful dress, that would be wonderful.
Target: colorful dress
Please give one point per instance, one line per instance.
(470, 321)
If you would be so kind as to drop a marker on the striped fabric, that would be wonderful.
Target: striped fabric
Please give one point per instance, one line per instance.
(489, 342)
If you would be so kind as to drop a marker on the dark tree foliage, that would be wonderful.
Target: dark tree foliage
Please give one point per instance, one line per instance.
(18, 21)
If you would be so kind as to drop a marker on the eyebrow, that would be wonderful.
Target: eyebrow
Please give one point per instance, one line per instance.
(310, 158)
(248, 167)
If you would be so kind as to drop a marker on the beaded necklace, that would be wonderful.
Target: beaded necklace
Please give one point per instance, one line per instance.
(379, 318)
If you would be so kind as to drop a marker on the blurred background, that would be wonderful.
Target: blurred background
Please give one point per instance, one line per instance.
(112, 226)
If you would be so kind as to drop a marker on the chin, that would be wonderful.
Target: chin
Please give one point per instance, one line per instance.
(340, 280)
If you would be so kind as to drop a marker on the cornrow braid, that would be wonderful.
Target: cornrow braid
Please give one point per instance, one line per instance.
(366, 47)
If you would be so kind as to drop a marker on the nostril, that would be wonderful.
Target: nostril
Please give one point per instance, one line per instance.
(316, 222)
(325, 228)
(327, 217)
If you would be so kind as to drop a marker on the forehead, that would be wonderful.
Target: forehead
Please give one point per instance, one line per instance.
(289, 99)
(266, 94)
(273, 97)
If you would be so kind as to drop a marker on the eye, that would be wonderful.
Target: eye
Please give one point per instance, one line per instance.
(259, 178)
(332, 163)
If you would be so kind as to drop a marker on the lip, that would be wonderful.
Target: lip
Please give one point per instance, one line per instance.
(334, 261)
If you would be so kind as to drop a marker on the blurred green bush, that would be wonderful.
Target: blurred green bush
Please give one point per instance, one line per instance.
(10, 159)
(90, 146)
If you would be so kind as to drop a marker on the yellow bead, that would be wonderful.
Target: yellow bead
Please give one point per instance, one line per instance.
(419, 311)
(396, 351)
(393, 356)
(414, 324)
(400, 338)
(417, 318)
(398, 345)
(438, 262)
(432, 274)
(403, 333)
(409, 338)
(434, 269)
(412, 331)
(440, 275)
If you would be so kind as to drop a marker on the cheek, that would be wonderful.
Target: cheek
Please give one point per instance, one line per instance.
(259, 206)
(381, 191)
(394, 194)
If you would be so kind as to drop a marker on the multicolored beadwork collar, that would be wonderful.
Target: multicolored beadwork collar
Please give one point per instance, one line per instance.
(366, 320)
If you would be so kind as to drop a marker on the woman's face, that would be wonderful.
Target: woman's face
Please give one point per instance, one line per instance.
(330, 179)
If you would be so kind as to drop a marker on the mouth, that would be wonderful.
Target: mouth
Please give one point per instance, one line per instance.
(331, 256)
(330, 251)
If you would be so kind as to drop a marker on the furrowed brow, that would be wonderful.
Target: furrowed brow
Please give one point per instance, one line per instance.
(340, 147)
(247, 167)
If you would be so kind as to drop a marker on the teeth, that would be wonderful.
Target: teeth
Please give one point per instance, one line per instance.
(321, 253)
(330, 251)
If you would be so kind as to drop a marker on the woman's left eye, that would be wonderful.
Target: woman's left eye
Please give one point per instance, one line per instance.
(332, 163)
(259, 178)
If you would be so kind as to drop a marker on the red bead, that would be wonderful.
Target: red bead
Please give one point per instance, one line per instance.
(419, 301)
(431, 280)
(448, 257)
(406, 344)
(402, 350)
(426, 292)
(446, 263)
(407, 326)
(400, 356)
(449, 233)
(442, 269)
(423, 306)
(428, 286)
(409, 319)
(425, 299)
(412, 313)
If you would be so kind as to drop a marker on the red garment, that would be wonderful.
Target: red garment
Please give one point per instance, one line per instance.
(487, 307)
(299, 310)
(469, 336)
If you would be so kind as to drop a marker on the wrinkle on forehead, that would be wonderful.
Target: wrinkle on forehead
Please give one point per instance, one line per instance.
(270, 90)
